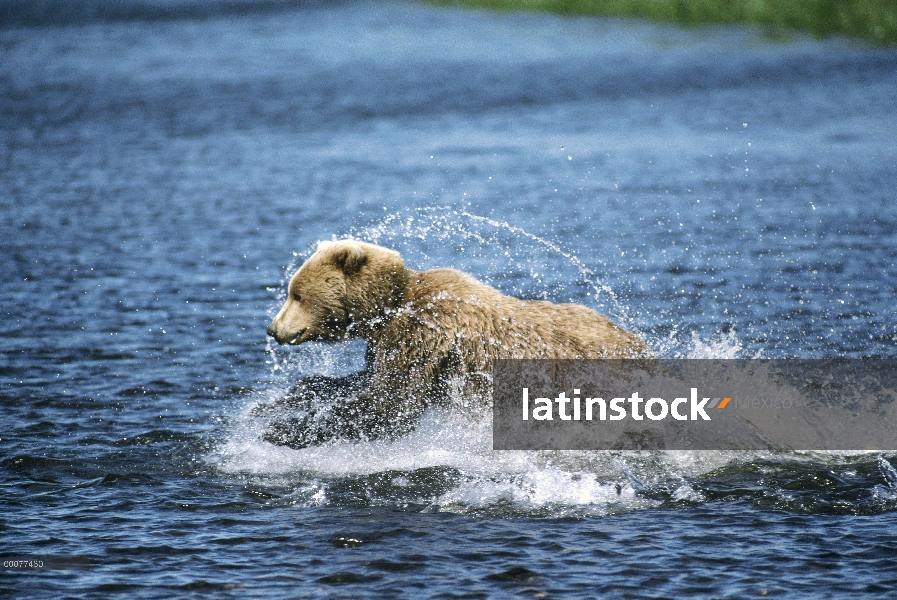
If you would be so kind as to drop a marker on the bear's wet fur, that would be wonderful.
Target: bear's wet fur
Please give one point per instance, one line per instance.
(423, 330)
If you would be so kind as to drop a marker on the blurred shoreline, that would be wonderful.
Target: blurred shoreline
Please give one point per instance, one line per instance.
(873, 21)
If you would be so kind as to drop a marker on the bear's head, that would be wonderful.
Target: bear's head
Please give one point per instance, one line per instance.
(343, 290)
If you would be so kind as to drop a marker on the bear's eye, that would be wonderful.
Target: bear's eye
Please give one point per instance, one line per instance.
(297, 297)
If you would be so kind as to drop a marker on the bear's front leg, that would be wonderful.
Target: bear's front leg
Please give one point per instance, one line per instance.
(309, 393)
(321, 409)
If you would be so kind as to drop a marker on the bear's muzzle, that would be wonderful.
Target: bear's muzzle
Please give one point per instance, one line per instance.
(292, 339)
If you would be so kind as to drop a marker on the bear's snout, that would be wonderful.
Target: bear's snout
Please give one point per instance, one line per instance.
(287, 339)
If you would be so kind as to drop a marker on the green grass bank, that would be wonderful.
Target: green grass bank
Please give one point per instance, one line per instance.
(872, 20)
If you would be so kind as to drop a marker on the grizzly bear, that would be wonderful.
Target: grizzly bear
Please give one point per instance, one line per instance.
(424, 332)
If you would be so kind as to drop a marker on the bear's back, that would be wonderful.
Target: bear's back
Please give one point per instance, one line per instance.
(485, 324)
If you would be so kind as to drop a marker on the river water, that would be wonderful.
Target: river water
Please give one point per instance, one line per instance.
(165, 165)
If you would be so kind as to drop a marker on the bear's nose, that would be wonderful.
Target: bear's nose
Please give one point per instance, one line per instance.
(270, 331)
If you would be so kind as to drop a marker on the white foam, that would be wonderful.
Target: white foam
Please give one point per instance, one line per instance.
(593, 482)
(541, 488)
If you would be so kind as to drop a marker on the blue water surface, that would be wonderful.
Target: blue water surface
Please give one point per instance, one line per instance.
(165, 164)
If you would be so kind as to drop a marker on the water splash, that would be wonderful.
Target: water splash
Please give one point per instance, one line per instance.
(508, 257)
(889, 473)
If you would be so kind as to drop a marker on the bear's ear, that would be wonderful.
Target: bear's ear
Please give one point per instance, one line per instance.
(349, 257)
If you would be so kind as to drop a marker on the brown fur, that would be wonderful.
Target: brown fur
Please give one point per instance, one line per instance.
(425, 327)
